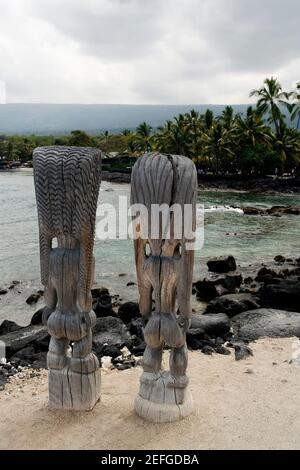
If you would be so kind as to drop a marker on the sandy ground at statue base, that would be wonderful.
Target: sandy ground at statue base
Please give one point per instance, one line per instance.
(250, 404)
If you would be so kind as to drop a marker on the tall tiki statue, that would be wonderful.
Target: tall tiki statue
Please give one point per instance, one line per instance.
(164, 262)
(67, 181)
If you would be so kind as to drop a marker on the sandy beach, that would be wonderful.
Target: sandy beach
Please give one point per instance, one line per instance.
(250, 404)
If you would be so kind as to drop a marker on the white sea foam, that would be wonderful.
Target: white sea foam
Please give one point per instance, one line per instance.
(211, 209)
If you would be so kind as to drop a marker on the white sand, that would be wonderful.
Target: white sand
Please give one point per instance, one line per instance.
(252, 404)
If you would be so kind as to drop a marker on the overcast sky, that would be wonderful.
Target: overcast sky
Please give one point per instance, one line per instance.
(146, 51)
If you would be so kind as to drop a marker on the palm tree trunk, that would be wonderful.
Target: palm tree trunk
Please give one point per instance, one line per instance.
(275, 121)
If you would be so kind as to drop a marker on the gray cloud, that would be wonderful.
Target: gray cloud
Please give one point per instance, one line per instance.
(146, 51)
(108, 29)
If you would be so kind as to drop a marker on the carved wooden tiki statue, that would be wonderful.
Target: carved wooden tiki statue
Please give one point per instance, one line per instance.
(67, 181)
(165, 273)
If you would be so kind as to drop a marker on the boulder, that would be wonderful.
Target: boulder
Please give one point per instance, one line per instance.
(279, 259)
(37, 318)
(99, 291)
(30, 357)
(129, 311)
(241, 349)
(265, 322)
(292, 210)
(3, 291)
(208, 289)
(22, 338)
(13, 285)
(8, 327)
(264, 271)
(283, 295)
(290, 273)
(212, 325)
(252, 211)
(111, 331)
(139, 349)
(41, 316)
(33, 298)
(275, 211)
(136, 327)
(222, 264)
(106, 350)
(103, 307)
(233, 304)
(24, 355)
(102, 302)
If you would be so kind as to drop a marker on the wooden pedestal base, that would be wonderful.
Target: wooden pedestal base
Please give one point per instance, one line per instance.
(70, 390)
(161, 400)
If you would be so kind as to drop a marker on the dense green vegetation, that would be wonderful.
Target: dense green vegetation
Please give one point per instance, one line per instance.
(258, 143)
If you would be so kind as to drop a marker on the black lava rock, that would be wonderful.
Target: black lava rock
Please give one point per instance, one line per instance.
(223, 264)
(129, 311)
(233, 304)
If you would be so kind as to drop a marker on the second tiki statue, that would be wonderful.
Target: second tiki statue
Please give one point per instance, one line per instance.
(164, 261)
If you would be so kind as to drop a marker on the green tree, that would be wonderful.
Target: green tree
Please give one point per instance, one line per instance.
(295, 106)
(218, 147)
(227, 117)
(81, 139)
(252, 130)
(144, 137)
(270, 96)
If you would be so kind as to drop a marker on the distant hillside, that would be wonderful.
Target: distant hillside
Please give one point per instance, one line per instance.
(62, 118)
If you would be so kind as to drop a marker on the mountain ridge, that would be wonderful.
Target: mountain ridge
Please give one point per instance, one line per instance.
(57, 119)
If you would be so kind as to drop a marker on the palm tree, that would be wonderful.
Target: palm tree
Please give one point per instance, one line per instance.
(208, 119)
(287, 147)
(270, 95)
(144, 137)
(252, 130)
(126, 132)
(218, 144)
(295, 107)
(130, 147)
(194, 128)
(175, 138)
(227, 117)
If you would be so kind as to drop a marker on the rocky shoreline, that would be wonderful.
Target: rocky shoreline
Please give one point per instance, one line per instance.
(238, 310)
(227, 183)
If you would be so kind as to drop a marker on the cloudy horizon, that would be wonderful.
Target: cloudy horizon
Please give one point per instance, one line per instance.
(146, 52)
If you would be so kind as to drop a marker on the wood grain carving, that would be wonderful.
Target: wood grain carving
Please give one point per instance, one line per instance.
(67, 181)
(165, 274)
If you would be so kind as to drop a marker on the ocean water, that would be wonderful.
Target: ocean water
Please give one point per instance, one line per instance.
(251, 239)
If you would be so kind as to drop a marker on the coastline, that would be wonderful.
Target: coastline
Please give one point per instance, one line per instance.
(237, 184)
(227, 183)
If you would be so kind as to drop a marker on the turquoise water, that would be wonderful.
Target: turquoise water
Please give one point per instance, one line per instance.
(251, 239)
(226, 229)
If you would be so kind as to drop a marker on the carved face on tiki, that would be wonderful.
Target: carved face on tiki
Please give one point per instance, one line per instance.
(167, 186)
(67, 185)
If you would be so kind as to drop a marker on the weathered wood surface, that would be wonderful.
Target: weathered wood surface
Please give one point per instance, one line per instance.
(165, 274)
(67, 181)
